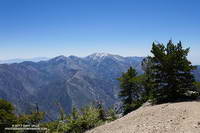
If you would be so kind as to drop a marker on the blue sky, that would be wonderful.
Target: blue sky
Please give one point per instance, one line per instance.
(48, 28)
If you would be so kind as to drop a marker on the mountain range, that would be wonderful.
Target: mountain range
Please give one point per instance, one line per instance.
(19, 60)
(65, 81)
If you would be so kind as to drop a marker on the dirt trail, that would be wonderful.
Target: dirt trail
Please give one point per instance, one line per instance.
(183, 117)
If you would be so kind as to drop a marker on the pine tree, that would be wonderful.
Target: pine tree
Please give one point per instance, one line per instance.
(7, 117)
(6, 112)
(147, 80)
(171, 72)
(129, 91)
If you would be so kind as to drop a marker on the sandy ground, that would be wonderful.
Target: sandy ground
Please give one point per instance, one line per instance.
(183, 117)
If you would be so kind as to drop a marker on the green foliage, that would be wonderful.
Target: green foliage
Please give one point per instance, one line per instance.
(131, 91)
(7, 117)
(6, 112)
(168, 72)
(33, 118)
(147, 81)
(167, 78)
(61, 111)
(197, 85)
(81, 120)
(102, 113)
(111, 114)
(88, 118)
(52, 126)
(78, 122)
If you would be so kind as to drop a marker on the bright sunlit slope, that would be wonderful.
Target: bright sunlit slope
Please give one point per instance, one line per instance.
(183, 117)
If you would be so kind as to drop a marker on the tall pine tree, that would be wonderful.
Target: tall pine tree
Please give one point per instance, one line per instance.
(129, 93)
(170, 74)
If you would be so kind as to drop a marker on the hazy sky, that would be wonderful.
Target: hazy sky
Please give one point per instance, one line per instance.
(48, 28)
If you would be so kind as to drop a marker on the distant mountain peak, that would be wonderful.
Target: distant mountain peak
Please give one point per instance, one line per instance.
(59, 58)
(100, 54)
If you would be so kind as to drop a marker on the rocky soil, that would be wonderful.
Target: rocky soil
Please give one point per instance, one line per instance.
(183, 117)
